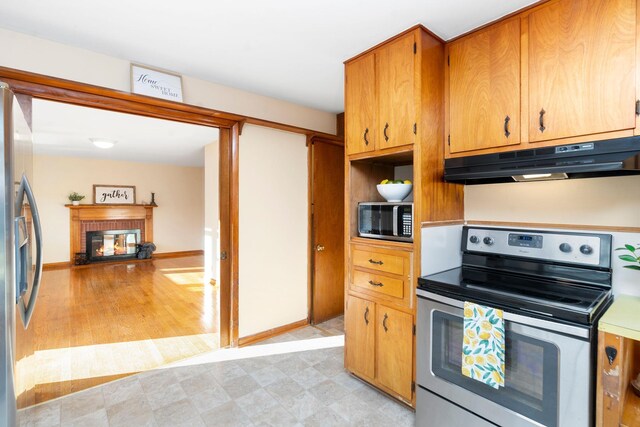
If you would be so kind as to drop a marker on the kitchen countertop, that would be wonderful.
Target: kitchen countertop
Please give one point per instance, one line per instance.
(622, 318)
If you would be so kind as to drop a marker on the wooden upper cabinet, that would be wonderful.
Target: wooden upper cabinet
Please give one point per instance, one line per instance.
(395, 64)
(581, 66)
(394, 350)
(360, 105)
(484, 89)
(380, 103)
(360, 317)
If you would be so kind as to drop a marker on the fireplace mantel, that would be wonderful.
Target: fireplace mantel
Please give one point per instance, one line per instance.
(79, 213)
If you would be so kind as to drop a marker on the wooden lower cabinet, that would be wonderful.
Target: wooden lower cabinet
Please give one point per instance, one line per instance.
(360, 339)
(379, 345)
(616, 403)
(394, 350)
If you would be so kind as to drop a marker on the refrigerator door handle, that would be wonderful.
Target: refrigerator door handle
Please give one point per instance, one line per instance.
(26, 311)
(21, 257)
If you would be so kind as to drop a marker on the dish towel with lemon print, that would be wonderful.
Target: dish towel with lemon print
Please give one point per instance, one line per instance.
(483, 344)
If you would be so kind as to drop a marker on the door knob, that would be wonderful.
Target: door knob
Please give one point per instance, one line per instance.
(319, 248)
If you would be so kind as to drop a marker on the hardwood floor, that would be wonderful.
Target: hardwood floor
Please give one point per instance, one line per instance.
(93, 325)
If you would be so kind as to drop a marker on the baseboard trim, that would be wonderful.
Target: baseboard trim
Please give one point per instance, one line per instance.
(56, 265)
(177, 254)
(261, 336)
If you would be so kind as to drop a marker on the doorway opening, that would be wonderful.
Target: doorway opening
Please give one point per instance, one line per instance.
(123, 313)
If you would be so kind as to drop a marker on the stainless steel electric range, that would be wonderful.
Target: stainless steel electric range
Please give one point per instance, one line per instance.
(553, 287)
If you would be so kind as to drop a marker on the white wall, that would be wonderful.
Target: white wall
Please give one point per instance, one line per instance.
(211, 212)
(178, 220)
(273, 229)
(42, 56)
(613, 201)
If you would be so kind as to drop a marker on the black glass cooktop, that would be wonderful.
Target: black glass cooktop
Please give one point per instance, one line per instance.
(523, 294)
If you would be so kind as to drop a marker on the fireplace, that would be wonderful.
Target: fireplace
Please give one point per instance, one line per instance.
(109, 245)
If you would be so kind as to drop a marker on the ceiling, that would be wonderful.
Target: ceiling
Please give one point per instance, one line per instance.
(286, 49)
(64, 130)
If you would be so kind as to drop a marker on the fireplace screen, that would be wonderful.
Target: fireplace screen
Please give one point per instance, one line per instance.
(112, 244)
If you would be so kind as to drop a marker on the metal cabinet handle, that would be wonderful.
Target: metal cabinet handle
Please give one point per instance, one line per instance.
(384, 322)
(506, 126)
(542, 113)
(379, 284)
(386, 126)
(366, 316)
(366, 132)
(319, 248)
(26, 310)
(375, 262)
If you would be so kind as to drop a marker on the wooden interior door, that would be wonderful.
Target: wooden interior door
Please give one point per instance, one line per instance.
(484, 89)
(582, 60)
(327, 230)
(394, 350)
(360, 337)
(360, 105)
(395, 64)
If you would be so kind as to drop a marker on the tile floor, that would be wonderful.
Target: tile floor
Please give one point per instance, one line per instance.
(288, 387)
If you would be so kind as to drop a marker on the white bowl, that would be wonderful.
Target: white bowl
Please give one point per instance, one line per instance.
(394, 192)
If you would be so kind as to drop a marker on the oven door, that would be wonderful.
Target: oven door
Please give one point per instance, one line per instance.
(547, 378)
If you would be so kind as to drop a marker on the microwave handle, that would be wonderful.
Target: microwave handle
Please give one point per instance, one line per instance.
(395, 220)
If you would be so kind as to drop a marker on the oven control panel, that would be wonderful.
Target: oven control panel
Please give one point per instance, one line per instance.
(554, 246)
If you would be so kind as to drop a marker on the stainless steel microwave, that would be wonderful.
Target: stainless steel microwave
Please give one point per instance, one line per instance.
(388, 221)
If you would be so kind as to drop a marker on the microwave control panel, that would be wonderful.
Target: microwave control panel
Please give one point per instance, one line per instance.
(407, 224)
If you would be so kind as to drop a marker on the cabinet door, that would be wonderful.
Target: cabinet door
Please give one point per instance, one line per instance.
(582, 63)
(396, 85)
(394, 350)
(484, 89)
(360, 105)
(360, 337)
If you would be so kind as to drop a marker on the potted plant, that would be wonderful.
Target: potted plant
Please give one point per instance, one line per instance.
(75, 198)
(632, 257)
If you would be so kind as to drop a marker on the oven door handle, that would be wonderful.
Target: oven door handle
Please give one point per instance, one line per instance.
(515, 318)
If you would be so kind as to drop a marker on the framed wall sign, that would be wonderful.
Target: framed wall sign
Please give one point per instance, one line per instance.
(156, 83)
(114, 194)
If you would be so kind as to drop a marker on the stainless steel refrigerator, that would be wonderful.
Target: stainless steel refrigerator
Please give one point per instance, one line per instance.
(20, 257)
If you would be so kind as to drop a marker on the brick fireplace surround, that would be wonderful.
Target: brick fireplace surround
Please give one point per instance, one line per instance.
(85, 218)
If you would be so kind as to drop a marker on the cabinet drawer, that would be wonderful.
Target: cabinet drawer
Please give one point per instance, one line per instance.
(379, 261)
(386, 285)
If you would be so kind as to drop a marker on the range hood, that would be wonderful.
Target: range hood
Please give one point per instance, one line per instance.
(581, 160)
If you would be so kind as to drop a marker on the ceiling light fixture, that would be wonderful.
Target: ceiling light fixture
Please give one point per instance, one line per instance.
(103, 143)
